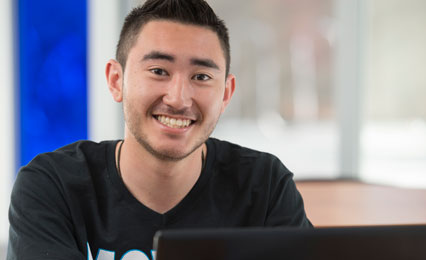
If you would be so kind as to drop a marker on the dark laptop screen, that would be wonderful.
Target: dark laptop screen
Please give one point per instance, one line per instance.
(344, 243)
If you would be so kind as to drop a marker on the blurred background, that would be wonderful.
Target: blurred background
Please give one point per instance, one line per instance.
(335, 88)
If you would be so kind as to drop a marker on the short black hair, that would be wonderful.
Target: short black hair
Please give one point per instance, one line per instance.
(194, 12)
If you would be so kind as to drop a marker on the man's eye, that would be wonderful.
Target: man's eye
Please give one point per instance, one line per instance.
(159, 72)
(201, 77)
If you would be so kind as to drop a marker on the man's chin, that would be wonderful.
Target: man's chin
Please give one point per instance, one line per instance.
(168, 153)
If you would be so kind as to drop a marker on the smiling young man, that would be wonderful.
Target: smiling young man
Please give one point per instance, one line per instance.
(173, 88)
(106, 200)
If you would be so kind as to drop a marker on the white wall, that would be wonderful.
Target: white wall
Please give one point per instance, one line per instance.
(6, 115)
(105, 119)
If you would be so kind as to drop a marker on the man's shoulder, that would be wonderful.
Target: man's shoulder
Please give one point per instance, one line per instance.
(77, 149)
(79, 154)
(228, 153)
(244, 168)
(226, 149)
(84, 145)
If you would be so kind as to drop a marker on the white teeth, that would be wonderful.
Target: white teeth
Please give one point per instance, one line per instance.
(173, 122)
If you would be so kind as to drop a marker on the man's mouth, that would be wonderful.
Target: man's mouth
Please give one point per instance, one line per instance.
(173, 122)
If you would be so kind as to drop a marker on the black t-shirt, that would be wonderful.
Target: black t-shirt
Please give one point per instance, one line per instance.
(72, 204)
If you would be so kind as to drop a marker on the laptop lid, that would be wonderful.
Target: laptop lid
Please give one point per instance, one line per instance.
(342, 243)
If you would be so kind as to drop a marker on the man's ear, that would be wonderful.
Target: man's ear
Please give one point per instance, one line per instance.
(114, 77)
(229, 91)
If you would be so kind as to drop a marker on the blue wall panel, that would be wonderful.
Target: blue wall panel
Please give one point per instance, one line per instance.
(52, 92)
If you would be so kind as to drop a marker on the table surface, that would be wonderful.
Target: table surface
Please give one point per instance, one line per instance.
(352, 203)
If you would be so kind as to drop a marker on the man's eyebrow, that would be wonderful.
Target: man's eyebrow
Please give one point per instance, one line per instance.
(156, 55)
(205, 63)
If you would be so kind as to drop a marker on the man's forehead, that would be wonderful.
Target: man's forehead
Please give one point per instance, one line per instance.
(176, 38)
(159, 26)
(162, 22)
(195, 61)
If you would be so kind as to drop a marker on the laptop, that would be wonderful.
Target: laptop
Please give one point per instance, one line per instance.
(340, 243)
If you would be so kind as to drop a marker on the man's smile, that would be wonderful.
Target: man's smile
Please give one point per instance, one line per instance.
(173, 122)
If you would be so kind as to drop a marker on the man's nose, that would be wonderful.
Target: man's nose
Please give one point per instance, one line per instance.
(179, 93)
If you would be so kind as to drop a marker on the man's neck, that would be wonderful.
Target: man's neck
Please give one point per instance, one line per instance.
(158, 184)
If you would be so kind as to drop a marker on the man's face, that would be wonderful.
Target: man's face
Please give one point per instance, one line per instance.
(174, 88)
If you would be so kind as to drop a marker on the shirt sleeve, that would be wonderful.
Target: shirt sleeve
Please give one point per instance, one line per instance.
(286, 207)
(40, 221)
